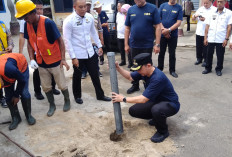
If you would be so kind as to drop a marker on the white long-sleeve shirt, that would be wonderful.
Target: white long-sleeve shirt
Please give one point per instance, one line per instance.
(120, 20)
(77, 33)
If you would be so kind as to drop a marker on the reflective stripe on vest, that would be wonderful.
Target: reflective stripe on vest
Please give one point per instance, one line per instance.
(50, 53)
(3, 37)
(21, 64)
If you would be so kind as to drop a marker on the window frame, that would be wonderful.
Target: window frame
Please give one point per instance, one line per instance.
(4, 8)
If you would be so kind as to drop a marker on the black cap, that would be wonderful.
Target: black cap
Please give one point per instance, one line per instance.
(141, 59)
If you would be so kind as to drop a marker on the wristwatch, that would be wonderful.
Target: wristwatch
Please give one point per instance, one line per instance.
(169, 30)
(227, 39)
(124, 99)
(157, 45)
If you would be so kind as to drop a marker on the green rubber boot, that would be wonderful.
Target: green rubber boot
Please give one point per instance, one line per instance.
(16, 119)
(26, 103)
(66, 100)
(52, 106)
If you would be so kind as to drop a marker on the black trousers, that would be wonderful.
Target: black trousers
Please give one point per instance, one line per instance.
(156, 111)
(201, 49)
(171, 43)
(92, 67)
(122, 50)
(220, 51)
(188, 22)
(1, 94)
(121, 46)
(37, 83)
(106, 47)
(136, 51)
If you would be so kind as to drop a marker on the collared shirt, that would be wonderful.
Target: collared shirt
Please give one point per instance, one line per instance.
(187, 7)
(97, 23)
(169, 15)
(218, 23)
(120, 20)
(77, 33)
(204, 12)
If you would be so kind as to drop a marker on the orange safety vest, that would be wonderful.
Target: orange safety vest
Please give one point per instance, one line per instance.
(50, 53)
(21, 64)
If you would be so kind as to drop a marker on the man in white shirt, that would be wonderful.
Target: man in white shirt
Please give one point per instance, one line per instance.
(201, 15)
(77, 30)
(217, 31)
(120, 20)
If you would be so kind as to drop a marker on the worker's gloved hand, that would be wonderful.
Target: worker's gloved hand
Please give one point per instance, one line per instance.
(33, 64)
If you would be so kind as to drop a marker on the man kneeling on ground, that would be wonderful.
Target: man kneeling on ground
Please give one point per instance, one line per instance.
(158, 101)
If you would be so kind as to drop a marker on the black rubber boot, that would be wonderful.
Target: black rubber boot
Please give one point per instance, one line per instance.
(66, 100)
(16, 119)
(134, 87)
(26, 103)
(52, 106)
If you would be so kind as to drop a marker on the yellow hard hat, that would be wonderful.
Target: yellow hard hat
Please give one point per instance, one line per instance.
(23, 7)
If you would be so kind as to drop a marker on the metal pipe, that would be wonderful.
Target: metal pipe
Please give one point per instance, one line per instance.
(114, 88)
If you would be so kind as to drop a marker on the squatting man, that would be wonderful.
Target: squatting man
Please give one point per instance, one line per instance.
(158, 101)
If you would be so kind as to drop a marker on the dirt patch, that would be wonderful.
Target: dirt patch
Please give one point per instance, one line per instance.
(82, 134)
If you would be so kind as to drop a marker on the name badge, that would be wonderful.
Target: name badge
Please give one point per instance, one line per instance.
(173, 11)
(79, 23)
(148, 14)
(87, 21)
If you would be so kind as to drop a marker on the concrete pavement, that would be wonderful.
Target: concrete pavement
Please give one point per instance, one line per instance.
(202, 128)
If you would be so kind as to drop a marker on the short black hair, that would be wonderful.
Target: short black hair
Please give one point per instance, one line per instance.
(37, 2)
(121, 2)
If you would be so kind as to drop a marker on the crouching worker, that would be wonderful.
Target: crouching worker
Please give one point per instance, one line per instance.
(14, 67)
(158, 101)
(44, 38)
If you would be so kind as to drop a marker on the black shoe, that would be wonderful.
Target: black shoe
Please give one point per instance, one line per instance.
(100, 74)
(105, 98)
(219, 73)
(83, 76)
(129, 66)
(173, 74)
(158, 137)
(55, 92)
(151, 122)
(79, 100)
(133, 89)
(39, 96)
(203, 64)
(198, 62)
(3, 102)
(122, 63)
(206, 71)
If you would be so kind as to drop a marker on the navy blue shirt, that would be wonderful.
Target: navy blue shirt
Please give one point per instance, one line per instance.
(158, 88)
(141, 21)
(12, 71)
(169, 14)
(104, 18)
(52, 35)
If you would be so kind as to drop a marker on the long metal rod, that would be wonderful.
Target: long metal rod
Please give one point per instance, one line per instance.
(114, 87)
(18, 145)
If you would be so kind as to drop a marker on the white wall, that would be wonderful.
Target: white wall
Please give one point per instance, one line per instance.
(5, 17)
